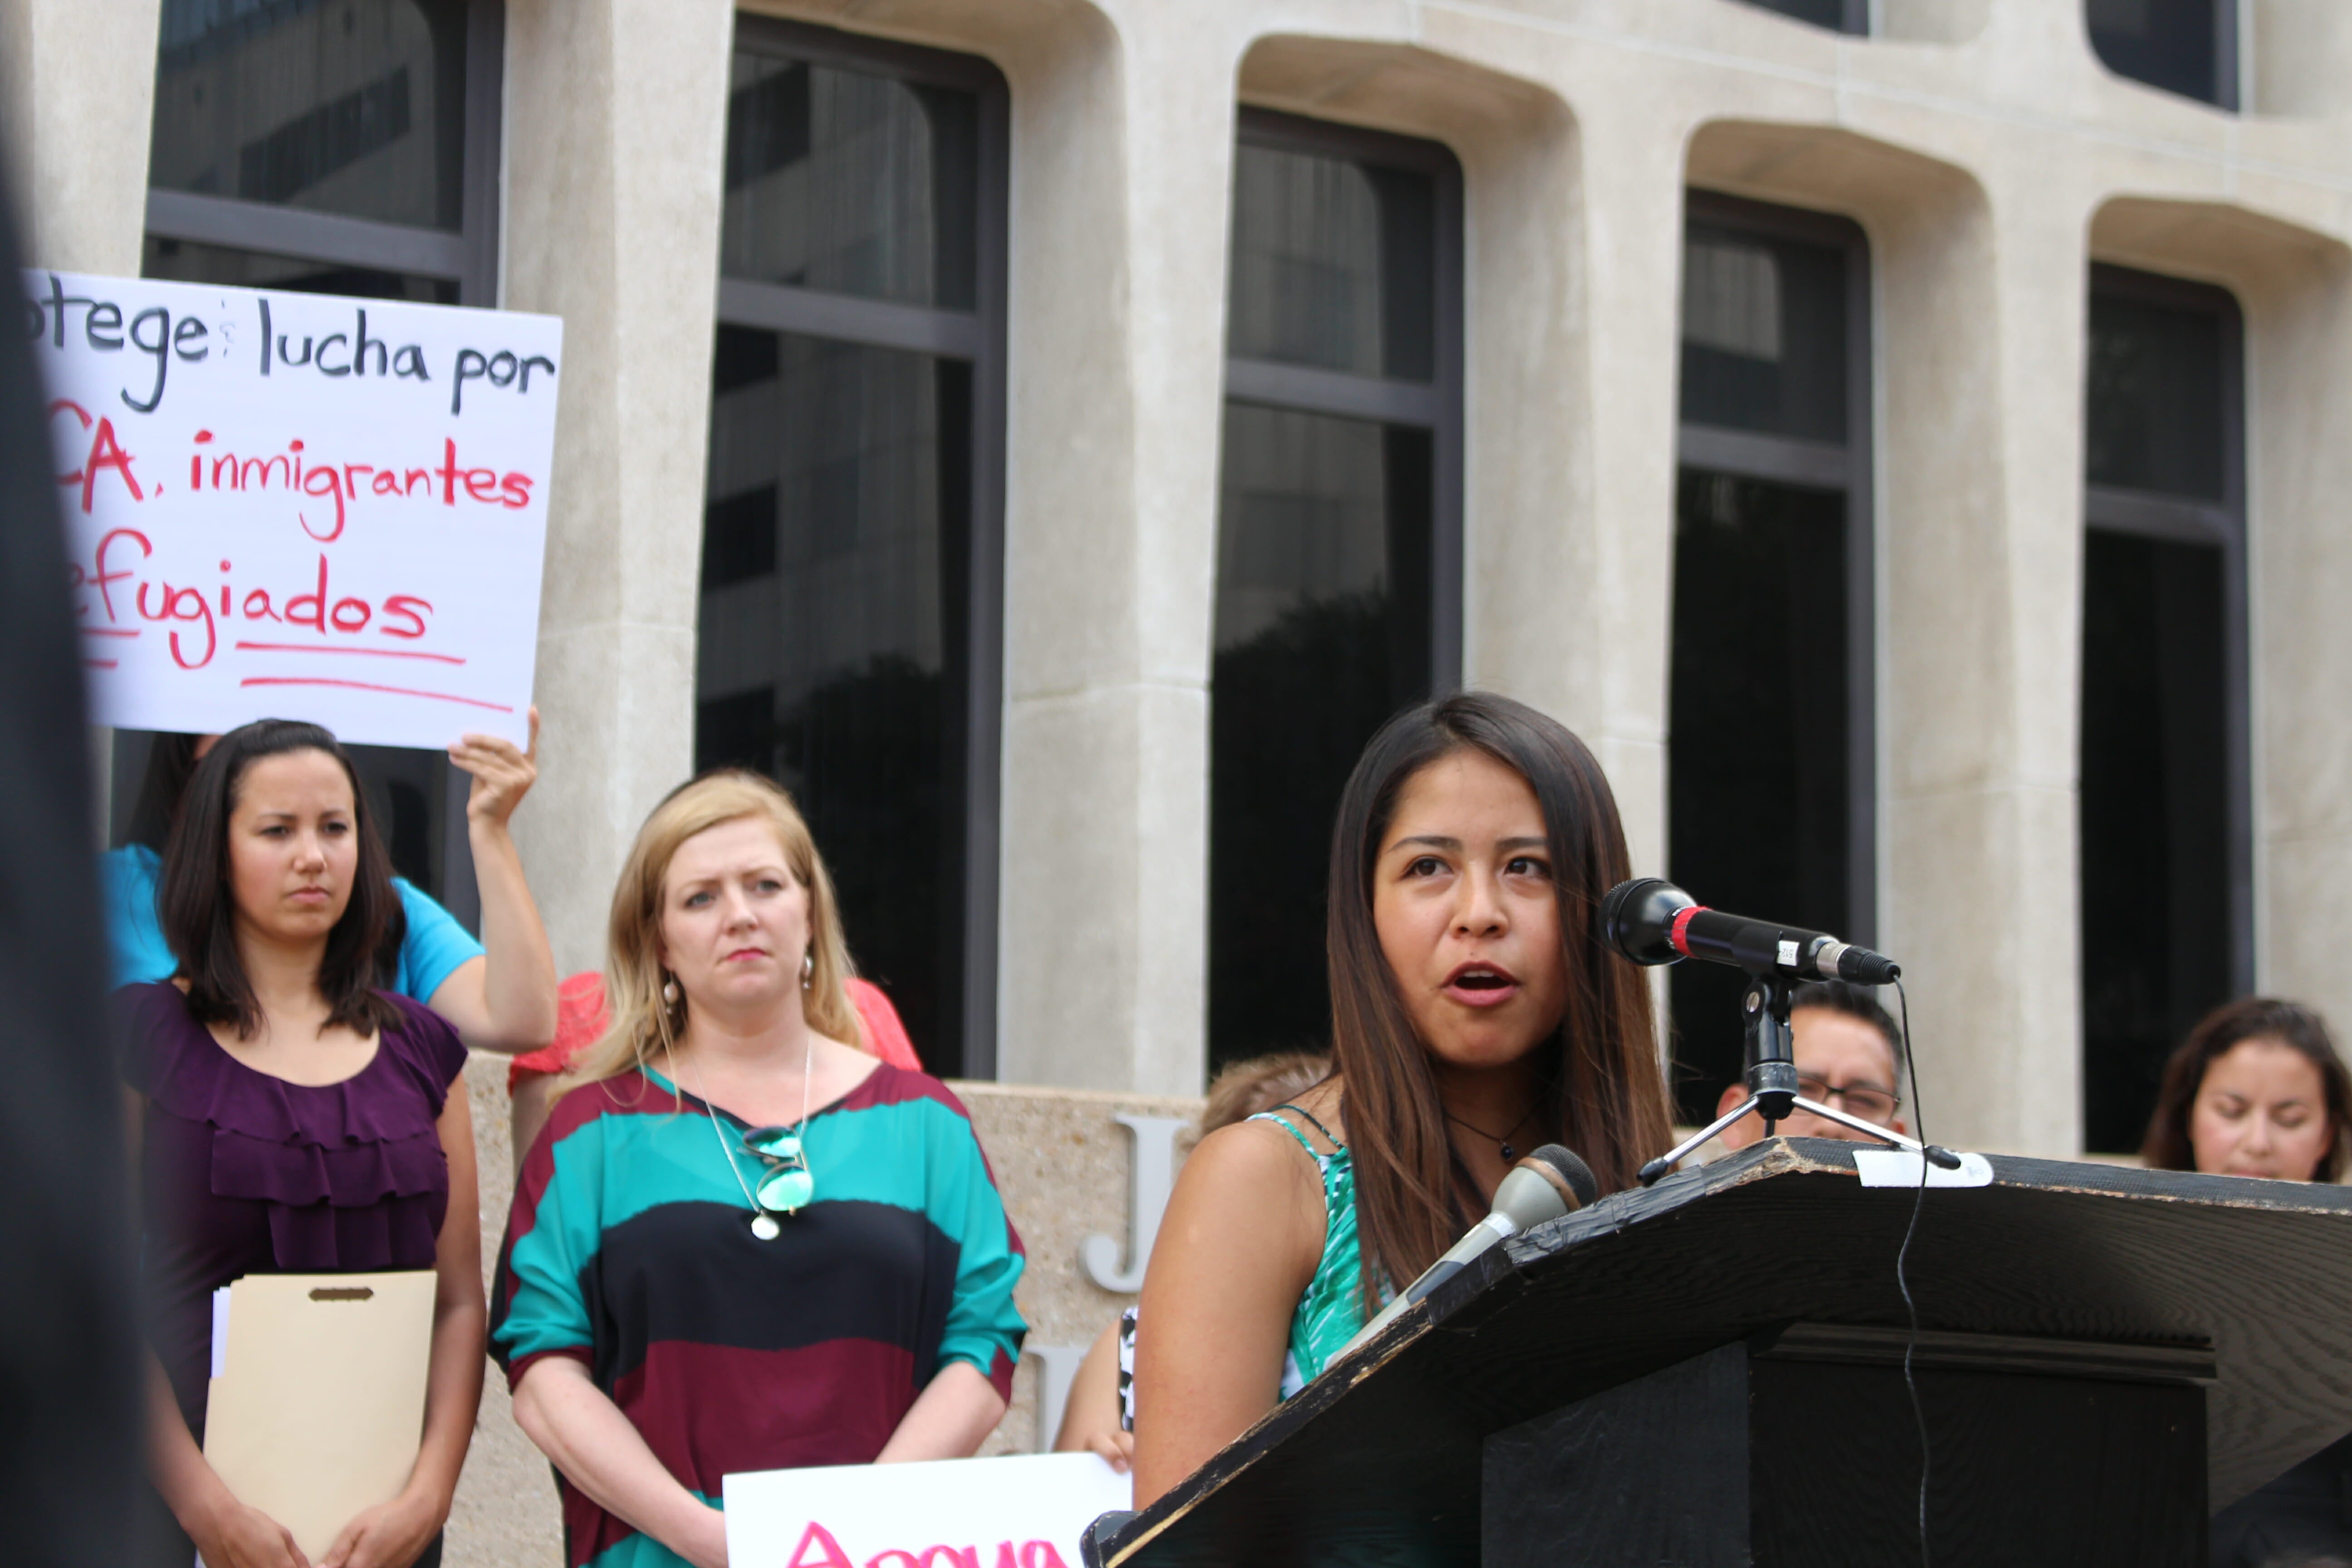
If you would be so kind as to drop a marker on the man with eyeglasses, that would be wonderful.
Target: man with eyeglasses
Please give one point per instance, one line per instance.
(1845, 1043)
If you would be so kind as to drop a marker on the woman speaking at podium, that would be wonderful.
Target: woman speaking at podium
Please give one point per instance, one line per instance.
(1474, 1017)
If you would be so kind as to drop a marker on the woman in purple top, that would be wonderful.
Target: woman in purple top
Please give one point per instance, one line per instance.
(290, 1119)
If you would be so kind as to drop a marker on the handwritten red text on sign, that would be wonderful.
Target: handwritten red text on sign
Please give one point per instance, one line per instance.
(298, 505)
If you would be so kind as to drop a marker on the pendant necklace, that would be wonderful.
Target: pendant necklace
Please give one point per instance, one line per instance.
(763, 1224)
(1502, 1144)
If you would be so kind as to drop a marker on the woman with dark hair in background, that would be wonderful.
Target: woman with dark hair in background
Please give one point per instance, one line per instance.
(2257, 1089)
(289, 1118)
(499, 992)
(1472, 1017)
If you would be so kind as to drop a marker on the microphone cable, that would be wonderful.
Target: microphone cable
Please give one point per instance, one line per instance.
(1902, 1258)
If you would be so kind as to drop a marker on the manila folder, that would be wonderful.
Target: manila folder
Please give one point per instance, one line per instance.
(319, 1410)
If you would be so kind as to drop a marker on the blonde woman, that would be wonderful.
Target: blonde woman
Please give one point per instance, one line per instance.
(743, 1244)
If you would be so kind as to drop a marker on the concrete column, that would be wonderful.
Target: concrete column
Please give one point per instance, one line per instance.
(2299, 395)
(2292, 54)
(1614, 686)
(1119, 200)
(1528, 539)
(616, 117)
(77, 101)
(2019, 1086)
(1980, 351)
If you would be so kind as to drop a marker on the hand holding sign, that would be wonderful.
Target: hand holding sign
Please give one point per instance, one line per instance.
(300, 505)
(503, 773)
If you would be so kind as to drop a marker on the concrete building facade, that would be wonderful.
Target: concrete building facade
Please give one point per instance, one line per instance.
(1985, 154)
(1981, 146)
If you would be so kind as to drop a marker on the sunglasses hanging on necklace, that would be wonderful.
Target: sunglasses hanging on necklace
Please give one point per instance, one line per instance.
(789, 1185)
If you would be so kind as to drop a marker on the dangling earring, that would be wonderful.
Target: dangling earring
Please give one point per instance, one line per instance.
(670, 991)
(808, 969)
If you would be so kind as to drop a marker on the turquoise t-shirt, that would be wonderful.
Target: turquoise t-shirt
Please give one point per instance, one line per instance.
(432, 951)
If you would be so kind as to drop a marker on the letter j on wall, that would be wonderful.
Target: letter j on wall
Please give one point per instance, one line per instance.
(1152, 1176)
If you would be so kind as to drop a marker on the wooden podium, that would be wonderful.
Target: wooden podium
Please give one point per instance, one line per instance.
(1709, 1374)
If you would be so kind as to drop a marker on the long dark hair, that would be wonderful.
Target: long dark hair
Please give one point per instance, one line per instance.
(197, 909)
(1608, 1097)
(2167, 1146)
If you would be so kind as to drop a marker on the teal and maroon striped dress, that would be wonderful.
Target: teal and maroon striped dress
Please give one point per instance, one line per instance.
(630, 1249)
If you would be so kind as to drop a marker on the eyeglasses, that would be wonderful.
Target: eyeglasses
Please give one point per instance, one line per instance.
(786, 1186)
(1866, 1100)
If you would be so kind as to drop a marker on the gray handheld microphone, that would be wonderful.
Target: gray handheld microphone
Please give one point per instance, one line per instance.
(1548, 1184)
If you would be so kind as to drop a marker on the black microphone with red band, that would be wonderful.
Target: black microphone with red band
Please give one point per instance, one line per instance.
(1654, 921)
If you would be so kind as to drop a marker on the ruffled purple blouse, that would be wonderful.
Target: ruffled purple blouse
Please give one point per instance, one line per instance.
(246, 1174)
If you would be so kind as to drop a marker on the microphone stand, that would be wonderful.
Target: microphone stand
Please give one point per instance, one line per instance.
(1771, 1078)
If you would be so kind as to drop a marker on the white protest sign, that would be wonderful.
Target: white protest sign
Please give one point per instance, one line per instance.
(299, 506)
(1022, 1512)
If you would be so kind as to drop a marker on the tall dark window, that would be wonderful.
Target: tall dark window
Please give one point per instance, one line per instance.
(1338, 534)
(1770, 784)
(353, 145)
(2167, 847)
(1840, 15)
(2188, 46)
(343, 149)
(851, 557)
